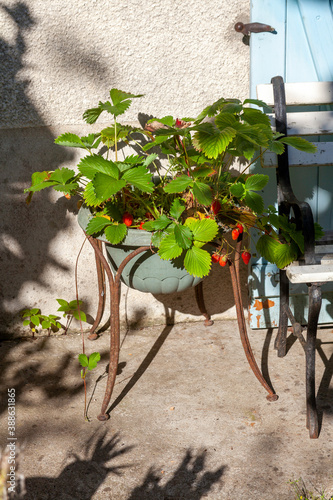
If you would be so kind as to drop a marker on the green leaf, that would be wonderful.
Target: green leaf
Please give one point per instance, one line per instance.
(299, 143)
(254, 116)
(237, 189)
(211, 140)
(91, 115)
(83, 360)
(118, 96)
(79, 315)
(254, 201)
(178, 184)
(202, 193)
(166, 120)
(197, 262)
(285, 254)
(90, 197)
(97, 224)
(169, 249)
(177, 208)
(46, 324)
(276, 147)
(150, 159)
(93, 360)
(211, 110)
(256, 102)
(66, 188)
(161, 223)
(108, 134)
(74, 304)
(225, 119)
(62, 175)
(35, 320)
(106, 186)
(183, 236)
(112, 211)
(140, 178)
(256, 182)
(91, 164)
(91, 140)
(70, 140)
(319, 233)
(62, 302)
(266, 246)
(26, 322)
(115, 233)
(204, 230)
(157, 238)
(39, 181)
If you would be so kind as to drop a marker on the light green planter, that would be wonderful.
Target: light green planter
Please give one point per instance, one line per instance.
(146, 272)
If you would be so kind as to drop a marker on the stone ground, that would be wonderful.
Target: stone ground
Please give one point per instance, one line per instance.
(189, 419)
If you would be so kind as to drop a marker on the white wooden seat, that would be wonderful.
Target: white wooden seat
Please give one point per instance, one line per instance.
(316, 266)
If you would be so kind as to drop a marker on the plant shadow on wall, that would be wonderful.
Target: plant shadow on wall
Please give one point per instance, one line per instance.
(25, 142)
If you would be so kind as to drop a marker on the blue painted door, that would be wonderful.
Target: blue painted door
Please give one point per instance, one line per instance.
(300, 50)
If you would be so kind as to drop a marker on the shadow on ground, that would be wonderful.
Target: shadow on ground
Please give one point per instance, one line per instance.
(82, 477)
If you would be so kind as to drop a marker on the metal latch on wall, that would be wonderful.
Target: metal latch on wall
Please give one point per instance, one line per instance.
(249, 28)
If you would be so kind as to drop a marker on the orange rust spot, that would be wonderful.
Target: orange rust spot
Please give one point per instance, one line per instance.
(258, 321)
(263, 304)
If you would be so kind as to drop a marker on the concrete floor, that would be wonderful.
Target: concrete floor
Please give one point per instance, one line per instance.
(189, 420)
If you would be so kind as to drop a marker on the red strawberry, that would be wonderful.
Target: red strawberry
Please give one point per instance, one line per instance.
(141, 224)
(235, 233)
(240, 228)
(215, 257)
(246, 256)
(215, 207)
(128, 219)
(223, 260)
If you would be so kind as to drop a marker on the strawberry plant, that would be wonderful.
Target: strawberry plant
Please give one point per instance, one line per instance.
(71, 310)
(87, 363)
(33, 318)
(192, 200)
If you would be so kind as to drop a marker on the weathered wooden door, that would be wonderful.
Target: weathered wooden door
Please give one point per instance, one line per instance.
(299, 50)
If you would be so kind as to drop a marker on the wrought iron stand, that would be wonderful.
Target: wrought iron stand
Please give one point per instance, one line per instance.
(114, 284)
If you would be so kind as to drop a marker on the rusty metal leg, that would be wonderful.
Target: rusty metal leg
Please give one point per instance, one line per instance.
(101, 293)
(243, 332)
(310, 352)
(114, 283)
(281, 338)
(198, 289)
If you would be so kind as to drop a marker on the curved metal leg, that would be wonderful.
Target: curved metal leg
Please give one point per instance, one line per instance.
(310, 353)
(114, 282)
(101, 293)
(198, 289)
(234, 272)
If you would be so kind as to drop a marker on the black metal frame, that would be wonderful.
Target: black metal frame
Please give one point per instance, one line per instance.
(305, 222)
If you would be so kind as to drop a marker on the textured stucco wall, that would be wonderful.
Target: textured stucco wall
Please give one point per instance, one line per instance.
(59, 58)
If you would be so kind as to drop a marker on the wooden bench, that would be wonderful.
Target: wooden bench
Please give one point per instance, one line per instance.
(316, 266)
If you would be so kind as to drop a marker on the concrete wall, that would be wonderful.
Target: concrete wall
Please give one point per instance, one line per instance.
(57, 59)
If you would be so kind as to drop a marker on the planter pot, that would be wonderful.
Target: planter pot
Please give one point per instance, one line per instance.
(146, 272)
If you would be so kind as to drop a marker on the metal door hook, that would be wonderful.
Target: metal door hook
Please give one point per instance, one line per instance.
(246, 29)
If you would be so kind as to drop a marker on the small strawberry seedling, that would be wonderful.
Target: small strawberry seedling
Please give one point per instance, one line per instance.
(34, 318)
(71, 310)
(87, 364)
